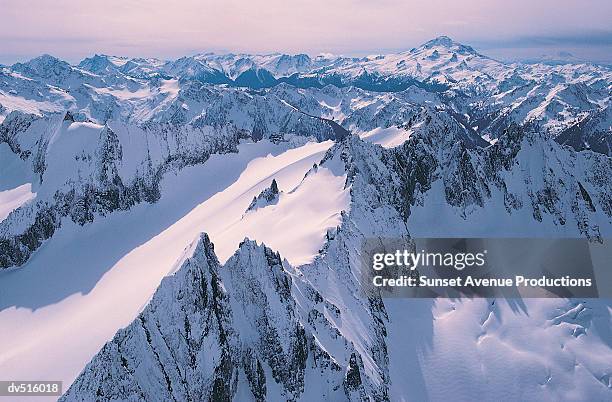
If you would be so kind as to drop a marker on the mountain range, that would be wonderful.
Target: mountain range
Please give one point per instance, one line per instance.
(191, 229)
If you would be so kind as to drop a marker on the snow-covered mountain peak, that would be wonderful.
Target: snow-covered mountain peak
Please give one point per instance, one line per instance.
(42, 60)
(441, 40)
(44, 66)
(101, 63)
(247, 330)
(446, 44)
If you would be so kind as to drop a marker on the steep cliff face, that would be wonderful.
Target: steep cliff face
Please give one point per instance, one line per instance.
(83, 170)
(524, 176)
(247, 330)
(591, 132)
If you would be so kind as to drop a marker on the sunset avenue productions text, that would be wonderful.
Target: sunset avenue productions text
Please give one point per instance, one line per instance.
(469, 281)
(408, 262)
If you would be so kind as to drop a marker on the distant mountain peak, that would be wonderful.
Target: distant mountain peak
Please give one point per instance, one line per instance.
(97, 63)
(442, 40)
(555, 58)
(44, 66)
(44, 59)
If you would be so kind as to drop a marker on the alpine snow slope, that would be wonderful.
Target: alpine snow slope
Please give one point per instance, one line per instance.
(245, 184)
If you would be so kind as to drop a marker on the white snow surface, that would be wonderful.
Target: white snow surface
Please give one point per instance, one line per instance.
(499, 350)
(13, 199)
(387, 137)
(88, 281)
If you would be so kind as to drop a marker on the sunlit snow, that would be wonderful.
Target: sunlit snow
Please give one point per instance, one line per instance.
(88, 281)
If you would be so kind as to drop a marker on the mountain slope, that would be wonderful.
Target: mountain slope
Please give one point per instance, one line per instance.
(239, 328)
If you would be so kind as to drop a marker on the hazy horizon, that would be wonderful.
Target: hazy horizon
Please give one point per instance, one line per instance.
(72, 30)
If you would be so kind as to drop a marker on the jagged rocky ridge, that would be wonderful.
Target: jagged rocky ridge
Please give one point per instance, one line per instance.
(524, 170)
(249, 329)
(268, 196)
(103, 180)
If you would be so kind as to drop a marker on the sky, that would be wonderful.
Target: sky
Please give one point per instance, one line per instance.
(510, 30)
